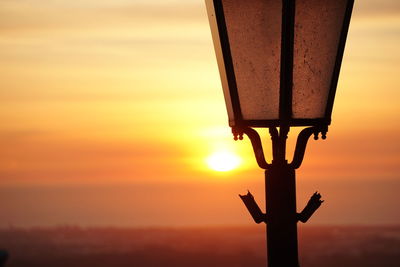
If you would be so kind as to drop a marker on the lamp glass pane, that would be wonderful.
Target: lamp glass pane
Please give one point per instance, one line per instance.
(254, 33)
(220, 59)
(318, 25)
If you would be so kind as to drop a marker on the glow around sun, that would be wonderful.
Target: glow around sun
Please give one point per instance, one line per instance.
(223, 161)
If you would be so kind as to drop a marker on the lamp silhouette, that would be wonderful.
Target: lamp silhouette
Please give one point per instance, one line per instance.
(279, 63)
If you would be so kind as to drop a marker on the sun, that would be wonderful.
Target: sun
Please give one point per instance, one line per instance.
(223, 161)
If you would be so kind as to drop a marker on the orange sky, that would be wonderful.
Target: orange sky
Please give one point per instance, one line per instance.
(110, 103)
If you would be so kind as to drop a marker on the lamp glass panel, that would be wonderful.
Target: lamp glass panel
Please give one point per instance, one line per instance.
(318, 25)
(254, 33)
(220, 59)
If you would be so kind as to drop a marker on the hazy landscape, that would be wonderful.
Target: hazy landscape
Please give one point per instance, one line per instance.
(207, 246)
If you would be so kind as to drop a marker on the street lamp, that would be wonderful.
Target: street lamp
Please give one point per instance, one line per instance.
(279, 64)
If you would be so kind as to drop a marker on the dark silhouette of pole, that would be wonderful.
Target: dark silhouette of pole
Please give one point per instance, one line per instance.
(280, 190)
(281, 215)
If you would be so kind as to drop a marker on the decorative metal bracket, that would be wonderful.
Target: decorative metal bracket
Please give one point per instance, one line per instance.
(258, 216)
(253, 208)
(255, 142)
(301, 143)
(279, 143)
(313, 204)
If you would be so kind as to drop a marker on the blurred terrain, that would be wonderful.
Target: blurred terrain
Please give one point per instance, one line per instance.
(203, 246)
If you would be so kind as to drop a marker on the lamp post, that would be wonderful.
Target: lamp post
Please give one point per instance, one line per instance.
(279, 64)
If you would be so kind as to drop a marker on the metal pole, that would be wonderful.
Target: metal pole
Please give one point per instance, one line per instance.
(280, 191)
(281, 213)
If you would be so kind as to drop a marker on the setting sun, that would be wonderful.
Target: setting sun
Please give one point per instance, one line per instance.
(223, 161)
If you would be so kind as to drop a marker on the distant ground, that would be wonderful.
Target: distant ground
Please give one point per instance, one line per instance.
(326, 246)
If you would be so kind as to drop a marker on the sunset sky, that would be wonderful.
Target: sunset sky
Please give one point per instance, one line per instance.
(110, 109)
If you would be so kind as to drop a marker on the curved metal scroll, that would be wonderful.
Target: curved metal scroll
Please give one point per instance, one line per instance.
(255, 142)
(301, 143)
